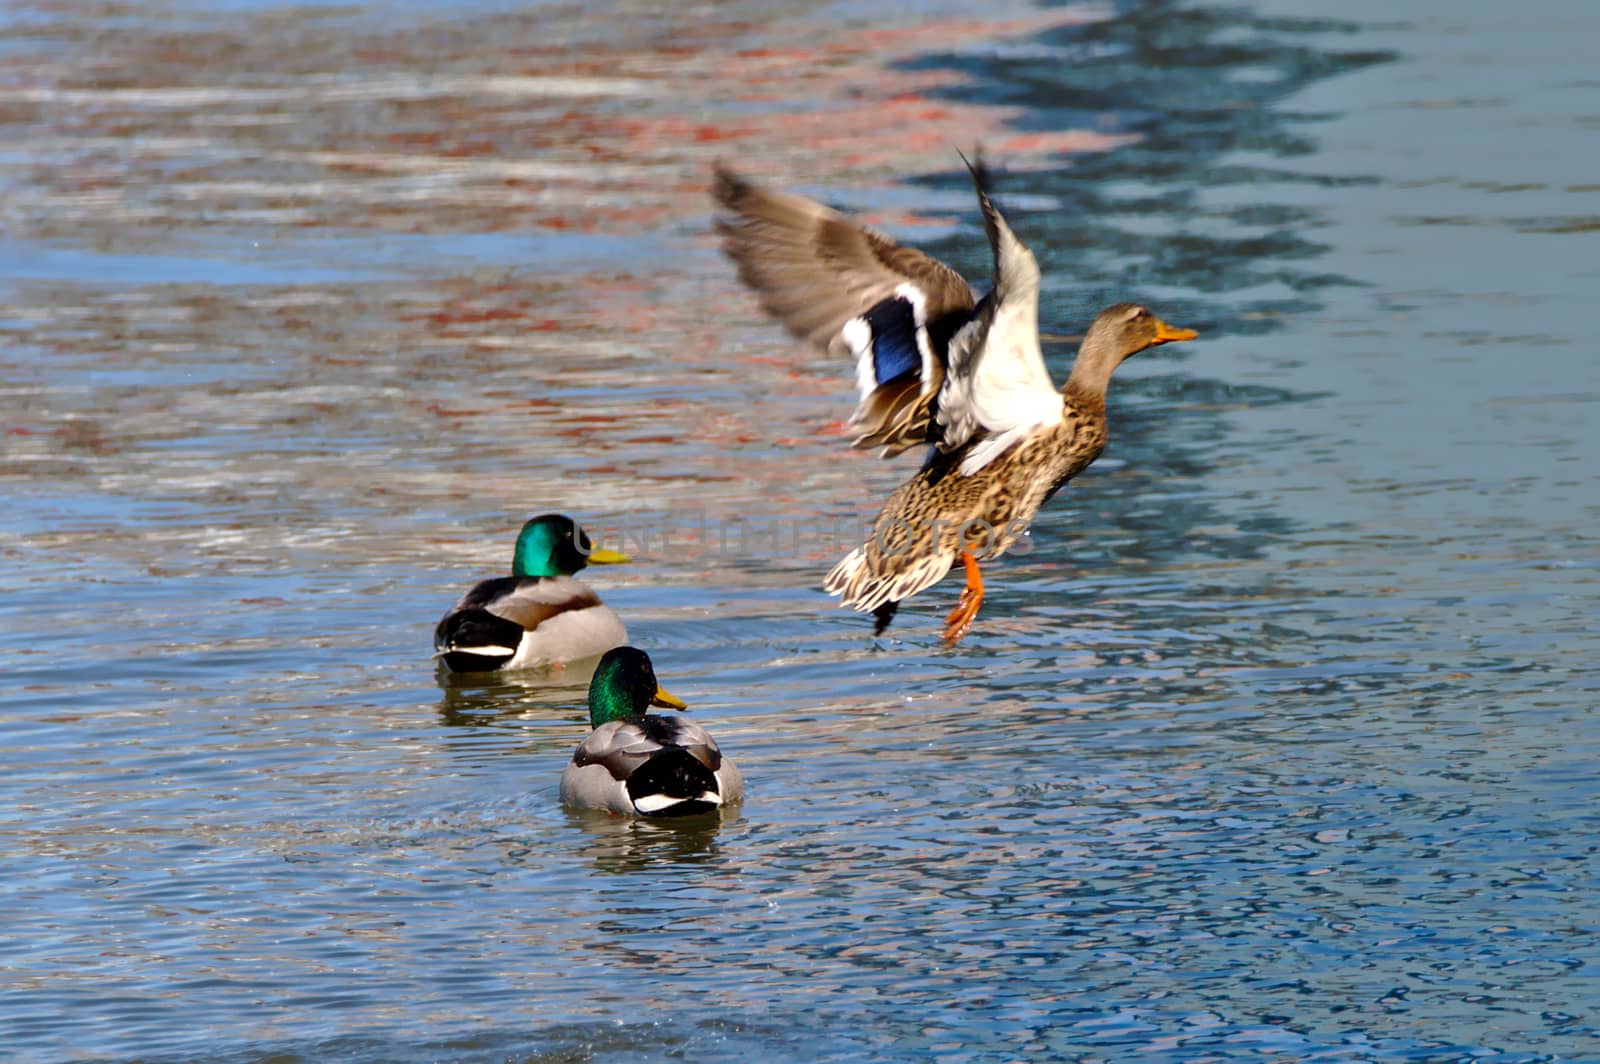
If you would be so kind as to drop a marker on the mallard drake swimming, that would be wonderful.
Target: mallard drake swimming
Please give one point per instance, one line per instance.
(638, 765)
(539, 615)
(934, 366)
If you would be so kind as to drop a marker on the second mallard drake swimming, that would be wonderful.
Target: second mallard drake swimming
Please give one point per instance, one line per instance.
(539, 615)
(639, 764)
(934, 366)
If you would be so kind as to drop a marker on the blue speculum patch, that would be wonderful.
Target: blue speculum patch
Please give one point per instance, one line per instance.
(894, 339)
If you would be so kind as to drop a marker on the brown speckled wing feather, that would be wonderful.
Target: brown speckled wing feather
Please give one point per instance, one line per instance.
(918, 534)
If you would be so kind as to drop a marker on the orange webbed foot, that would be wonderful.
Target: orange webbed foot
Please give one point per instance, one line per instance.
(960, 618)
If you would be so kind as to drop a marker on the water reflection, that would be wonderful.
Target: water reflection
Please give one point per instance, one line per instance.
(619, 845)
(472, 700)
(1199, 89)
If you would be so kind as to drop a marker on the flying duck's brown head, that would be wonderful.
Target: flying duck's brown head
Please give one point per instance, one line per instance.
(1121, 330)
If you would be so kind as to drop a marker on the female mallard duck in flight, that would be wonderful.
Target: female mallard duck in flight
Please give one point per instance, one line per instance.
(638, 765)
(934, 365)
(539, 615)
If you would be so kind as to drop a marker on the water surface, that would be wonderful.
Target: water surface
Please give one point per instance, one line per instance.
(1276, 743)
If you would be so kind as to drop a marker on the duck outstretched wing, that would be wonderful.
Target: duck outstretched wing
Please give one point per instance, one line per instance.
(852, 291)
(996, 388)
